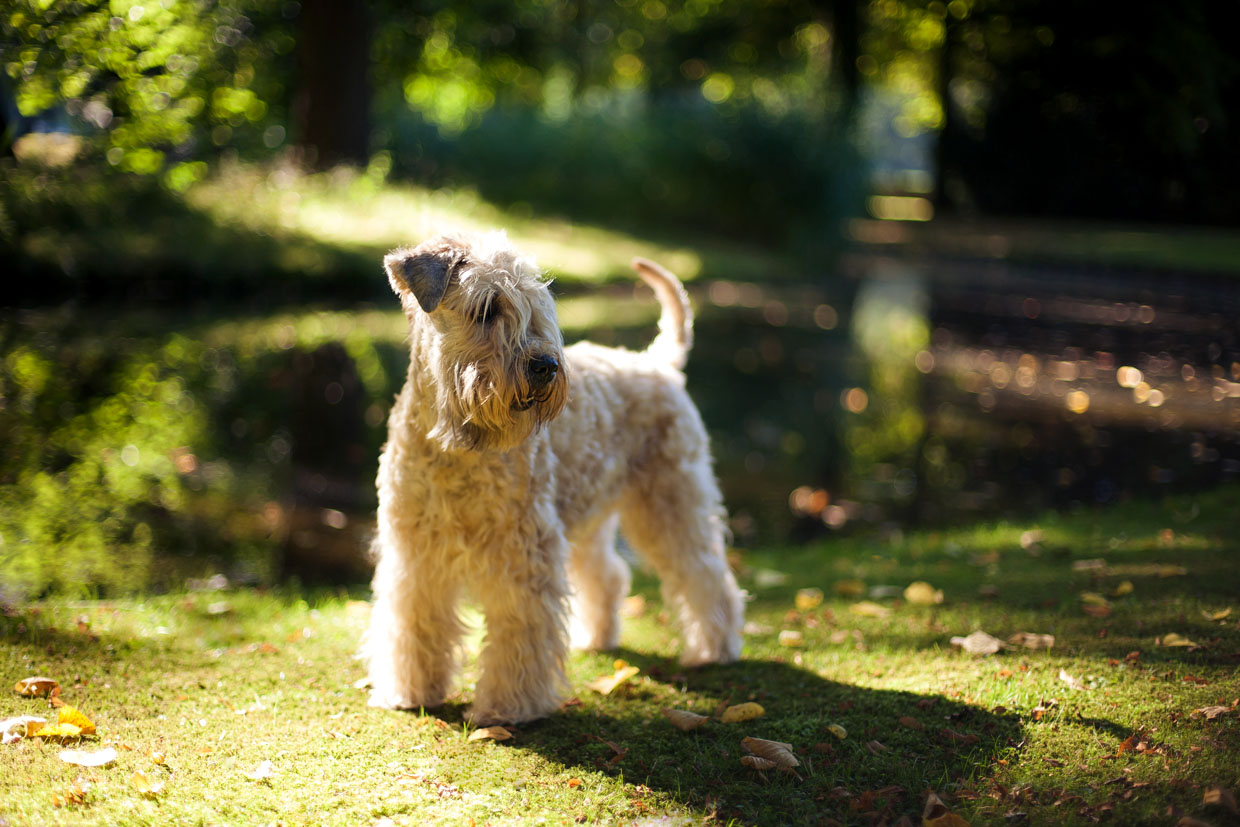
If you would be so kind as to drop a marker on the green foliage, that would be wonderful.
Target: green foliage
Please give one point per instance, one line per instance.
(155, 82)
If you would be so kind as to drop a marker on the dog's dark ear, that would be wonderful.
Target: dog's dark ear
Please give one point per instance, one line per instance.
(426, 274)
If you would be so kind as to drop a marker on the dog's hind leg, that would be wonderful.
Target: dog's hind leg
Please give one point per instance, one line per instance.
(675, 519)
(600, 580)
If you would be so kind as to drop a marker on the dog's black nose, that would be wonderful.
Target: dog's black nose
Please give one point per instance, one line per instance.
(542, 370)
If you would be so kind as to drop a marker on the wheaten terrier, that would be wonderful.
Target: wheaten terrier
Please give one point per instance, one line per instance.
(511, 462)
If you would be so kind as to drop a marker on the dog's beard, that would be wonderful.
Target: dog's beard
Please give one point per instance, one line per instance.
(483, 414)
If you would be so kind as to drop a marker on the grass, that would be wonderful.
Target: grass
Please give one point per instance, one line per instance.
(219, 682)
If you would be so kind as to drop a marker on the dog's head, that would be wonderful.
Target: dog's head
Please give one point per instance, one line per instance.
(485, 333)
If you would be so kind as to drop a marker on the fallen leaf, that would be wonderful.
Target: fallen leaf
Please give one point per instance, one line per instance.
(1221, 797)
(962, 738)
(1032, 640)
(82, 758)
(1129, 744)
(149, 785)
(808, 599)
(867, 608)
(775, 751)
(876, 747)
(490, 733)
(791, 638)
(978, 643)
(757, 762)
(23, 726)
(911, 722)
(606, 684)
(70, 715)
(684, 720)
(1174, 639)
(936, 814)
(849, 588)
(921, 593)
(742, 712)
(574, 783)
(36, 687)
(157, 756)
(1221, 614)
(838, 731)
(1210, 712)
(60, 732)
(262, 772)
(1094, 599)
(1072, 682)
(633, 606)
(1094, 610)
(1122, 589)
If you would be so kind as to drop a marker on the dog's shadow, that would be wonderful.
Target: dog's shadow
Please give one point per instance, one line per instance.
(897, 744)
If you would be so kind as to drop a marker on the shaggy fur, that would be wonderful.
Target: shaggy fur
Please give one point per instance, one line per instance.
(511, 462)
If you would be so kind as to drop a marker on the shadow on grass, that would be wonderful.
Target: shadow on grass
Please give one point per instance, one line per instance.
(881, 770)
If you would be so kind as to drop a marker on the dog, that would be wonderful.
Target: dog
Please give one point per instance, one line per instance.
(510, 465)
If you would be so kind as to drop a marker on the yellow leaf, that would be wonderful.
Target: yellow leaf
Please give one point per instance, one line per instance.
(59, 732)
(70, 715)
(1094, 599)
(849, 588)
(1221, 614)
(684, 720)
(606, 684)
(838, 731)
(146, 784)
(742, 712)
(36, 687)
(791, 638)
(923, 594)
(867, 608)
(808, 599)
(492, 733)
(23, 726)
(1122, 589)
(1174, 639)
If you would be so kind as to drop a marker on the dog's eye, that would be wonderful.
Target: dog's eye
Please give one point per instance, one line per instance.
(487, 312)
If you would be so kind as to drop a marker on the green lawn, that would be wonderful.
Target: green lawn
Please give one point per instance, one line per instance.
(221, 682)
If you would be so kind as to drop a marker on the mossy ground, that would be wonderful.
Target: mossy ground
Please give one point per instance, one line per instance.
(220, 682)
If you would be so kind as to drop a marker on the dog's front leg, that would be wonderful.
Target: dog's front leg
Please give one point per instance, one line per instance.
(525, 599)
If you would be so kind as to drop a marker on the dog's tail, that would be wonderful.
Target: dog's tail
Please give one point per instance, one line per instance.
(676, 320)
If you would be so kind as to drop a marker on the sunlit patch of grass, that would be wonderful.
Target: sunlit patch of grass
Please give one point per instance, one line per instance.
(222, 681)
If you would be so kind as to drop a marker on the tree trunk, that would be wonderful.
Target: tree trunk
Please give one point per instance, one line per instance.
(332, 107)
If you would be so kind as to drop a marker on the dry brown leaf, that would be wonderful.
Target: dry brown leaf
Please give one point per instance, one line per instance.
(742, 712)
(808, 599)
(791, 638)
(876, 747)
(757, 762)
(849, 588)
(147, 784)
(1210, 712)
(36, 687)
(911, 722)
(867, 608)
(1175, 639)
(490, 733)
(936, 814)
(1221, 797)
(82, 758)
(775, 751)
(684, 720)
(1072, 682)
(1032, 640)
(838, 731)
(921, 593)
(978, 643)
(23, 726)
(606, 684)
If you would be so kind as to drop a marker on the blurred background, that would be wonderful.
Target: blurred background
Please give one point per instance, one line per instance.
(953, 262)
